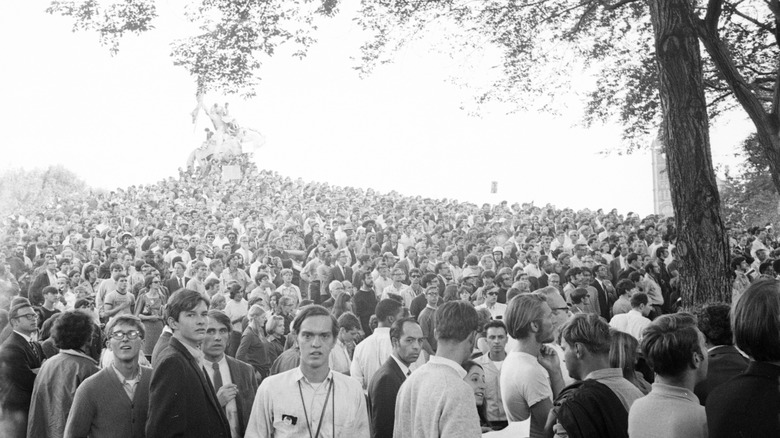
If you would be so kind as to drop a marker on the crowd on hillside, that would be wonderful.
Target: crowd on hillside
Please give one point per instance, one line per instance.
(267, 306)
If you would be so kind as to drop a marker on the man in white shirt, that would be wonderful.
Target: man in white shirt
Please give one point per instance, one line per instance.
(373, 351)
(349, 327)
(491, 303)
(492, 363)
(398, 288)
(233, 380)
(310, 399)
(635, 321)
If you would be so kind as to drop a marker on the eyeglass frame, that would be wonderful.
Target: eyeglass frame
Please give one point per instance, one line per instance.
(125, 335)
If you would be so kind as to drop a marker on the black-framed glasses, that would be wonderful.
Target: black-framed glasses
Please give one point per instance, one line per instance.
(492, 294)
(414, 276)
(131, 335)
(30, 316)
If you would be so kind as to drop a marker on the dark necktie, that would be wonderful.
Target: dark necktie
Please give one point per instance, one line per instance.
(35, 351)
(181, 283)
(217, 376)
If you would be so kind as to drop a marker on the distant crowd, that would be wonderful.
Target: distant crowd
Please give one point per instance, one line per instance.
(266, 306)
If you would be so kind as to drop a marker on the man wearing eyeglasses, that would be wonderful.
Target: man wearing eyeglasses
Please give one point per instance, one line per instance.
(491, 303)
(103, 408)
(20, 360)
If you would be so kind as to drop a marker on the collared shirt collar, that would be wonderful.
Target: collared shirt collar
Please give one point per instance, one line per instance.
(450, 363)
(404, 368)
(26, 338)
(79, 354)
(299, 376)
(195, 352)
(605, 373)
(124, 380)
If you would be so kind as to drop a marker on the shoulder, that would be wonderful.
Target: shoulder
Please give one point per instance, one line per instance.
(239, 365)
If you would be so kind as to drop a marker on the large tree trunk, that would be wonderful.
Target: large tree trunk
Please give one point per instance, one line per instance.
(701, 239)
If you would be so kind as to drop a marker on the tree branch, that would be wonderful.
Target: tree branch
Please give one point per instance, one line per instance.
(612, 6)
(737, 12)
(714, 9)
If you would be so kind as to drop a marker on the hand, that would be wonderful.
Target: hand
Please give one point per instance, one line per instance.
(227, 393)
(548, 358)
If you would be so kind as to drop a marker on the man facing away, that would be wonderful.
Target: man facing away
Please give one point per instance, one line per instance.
(114, 402)
(234, 381)
(598, 404)
(310, 400)
(182, 402)
(674, 348)
(370, 354)
(407, 338)
(435, 401)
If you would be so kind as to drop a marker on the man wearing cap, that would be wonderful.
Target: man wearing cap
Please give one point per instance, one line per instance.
(20, 360)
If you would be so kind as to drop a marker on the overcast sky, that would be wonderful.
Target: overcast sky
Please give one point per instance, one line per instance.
(124, 120)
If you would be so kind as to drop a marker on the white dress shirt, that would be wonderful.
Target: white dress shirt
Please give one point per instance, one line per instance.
(231, 410)
(632, 323)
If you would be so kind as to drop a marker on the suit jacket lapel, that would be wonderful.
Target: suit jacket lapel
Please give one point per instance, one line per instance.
(234, 376)
(396, 369)
(204, 380)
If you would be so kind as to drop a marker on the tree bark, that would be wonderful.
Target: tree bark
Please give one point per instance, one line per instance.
(701, 238)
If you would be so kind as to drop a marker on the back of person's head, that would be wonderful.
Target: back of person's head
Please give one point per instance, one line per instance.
(632, 257)
(669, 344)
(427, 278)
(714, 322)
(521, 311)
(348, 321)
(386, 309)
(312, 311)
(622, 352)
(755, 321)
(635, 277)
(638, 299)
(624, 286)
(587, 329)
(72, 330)
(455, 321)
(184, 300)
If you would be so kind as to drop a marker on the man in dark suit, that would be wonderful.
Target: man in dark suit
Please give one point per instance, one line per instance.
(182, 401)
(633, 264)
(618, 263)
(20, 359)
(177, 280)
(606, 293)
(234, 381)
(725, 361)
(46, 278)
(406, 337)
(340, 271)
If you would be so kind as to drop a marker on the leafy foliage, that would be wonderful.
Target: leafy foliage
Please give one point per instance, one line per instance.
(233, 36)
(608, 41)
(749, 198)
(23, 191)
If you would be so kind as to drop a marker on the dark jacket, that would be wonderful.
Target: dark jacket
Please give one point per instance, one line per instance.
(17, 360)
(590, 409)
(182, 402)
(254, 349)
(747, 405)
(382, 393)
(243, 376)
(725, 362)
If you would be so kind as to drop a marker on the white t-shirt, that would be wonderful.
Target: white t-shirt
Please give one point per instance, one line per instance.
(524, 382)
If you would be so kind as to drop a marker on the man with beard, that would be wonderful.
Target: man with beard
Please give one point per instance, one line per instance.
(531, 375)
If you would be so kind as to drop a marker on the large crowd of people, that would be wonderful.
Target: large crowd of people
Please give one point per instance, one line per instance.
(266, 306)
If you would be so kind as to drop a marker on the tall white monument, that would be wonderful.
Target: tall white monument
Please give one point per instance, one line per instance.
(662, 194)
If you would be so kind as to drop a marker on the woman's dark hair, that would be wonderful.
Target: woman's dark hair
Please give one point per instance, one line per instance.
(234, 290)
(72, 330)
(340, 304)
(148, 281)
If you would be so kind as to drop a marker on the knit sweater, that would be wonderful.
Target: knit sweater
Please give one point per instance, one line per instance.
(435, 402)
(101, 407)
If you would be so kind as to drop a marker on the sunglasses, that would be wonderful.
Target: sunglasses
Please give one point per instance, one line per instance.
(493, 294)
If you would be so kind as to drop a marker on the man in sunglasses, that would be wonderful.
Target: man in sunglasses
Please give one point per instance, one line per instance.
(20, 360)
(491, 303)
(103, 408)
